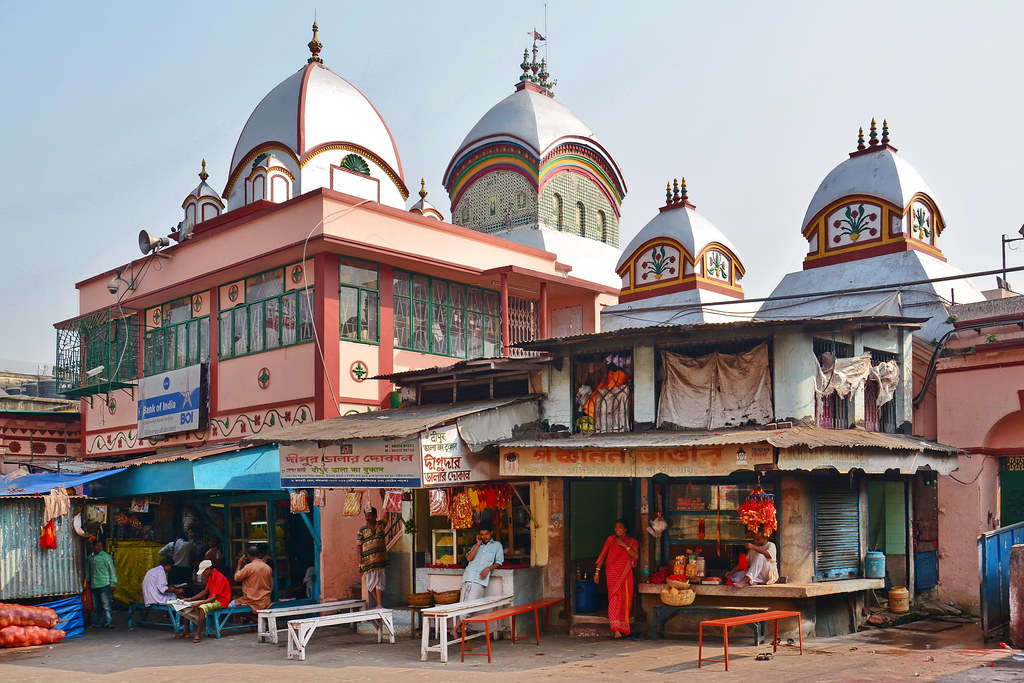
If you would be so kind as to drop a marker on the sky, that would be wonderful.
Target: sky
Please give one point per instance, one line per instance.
(110, 106)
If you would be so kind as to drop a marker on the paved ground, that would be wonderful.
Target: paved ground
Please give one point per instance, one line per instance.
(151, 655)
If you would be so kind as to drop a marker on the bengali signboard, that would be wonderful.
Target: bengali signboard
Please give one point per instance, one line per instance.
(172, 402)
(674, 461)
(447, 460)
(364, 463)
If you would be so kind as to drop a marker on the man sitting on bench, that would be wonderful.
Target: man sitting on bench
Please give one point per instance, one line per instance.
(483, 558)
(216, 595)
(155, 590)
(257, 579)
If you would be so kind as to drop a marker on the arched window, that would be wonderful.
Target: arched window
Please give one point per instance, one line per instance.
(582, 211)
(603, 225)
(559, 218)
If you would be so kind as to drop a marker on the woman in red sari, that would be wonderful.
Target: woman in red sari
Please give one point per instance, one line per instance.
(619, 555)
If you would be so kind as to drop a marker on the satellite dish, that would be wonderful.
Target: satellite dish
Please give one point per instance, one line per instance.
(148, 243)
(184, 229)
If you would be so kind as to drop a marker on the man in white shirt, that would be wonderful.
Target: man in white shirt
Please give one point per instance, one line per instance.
(155, 590)
(483, 558)
(762, 563)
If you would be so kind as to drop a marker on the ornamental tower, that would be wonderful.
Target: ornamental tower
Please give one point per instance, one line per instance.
(532, 172)
(674, 266)
(873, 221)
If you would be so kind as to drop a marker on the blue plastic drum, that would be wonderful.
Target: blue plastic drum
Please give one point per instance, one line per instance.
(874, 565)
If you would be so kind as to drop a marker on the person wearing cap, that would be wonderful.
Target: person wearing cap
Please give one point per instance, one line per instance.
(215, 596)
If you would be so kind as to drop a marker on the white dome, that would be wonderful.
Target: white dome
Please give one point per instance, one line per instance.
(683, 224)
(532, 117)
(879, 174)
(311, 108)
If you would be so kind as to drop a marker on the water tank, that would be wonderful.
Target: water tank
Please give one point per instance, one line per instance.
(48, 388)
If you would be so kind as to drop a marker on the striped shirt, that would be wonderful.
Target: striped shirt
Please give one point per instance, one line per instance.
(373, 548)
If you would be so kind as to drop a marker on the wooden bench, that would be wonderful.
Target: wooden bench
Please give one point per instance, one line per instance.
(662, 613)
(301, 630)
(217, 620)
(266, 619)
(438, 616)
(173, 620)
(771, 615)
(510, 613)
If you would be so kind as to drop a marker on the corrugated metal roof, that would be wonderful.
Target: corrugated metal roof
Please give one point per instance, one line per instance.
(807, 436)
(178, 454)
(473, 366)
(735, 326)
(396, 423)
(27, 571)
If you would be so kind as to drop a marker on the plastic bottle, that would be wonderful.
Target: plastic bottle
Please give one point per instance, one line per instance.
(701, 567)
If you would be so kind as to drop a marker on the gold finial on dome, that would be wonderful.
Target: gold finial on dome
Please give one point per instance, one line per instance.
(682, 190)
(873, 136)
(860, 138)
(203, 175)
(315, 46)
(423, 188)
(885, 132)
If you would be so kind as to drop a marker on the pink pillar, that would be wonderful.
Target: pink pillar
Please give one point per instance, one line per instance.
(506, 334)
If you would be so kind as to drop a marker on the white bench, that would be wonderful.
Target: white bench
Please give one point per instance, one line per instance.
(440, 614)
(267, 618)
(301, 630)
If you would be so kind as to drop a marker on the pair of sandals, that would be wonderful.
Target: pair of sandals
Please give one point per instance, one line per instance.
(765, 656)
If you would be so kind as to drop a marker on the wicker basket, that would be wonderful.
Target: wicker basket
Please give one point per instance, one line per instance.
(679, 599)
(678, 585)
(447, 597)
(420, 599)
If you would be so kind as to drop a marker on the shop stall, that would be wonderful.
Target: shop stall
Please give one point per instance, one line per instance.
(229, 494)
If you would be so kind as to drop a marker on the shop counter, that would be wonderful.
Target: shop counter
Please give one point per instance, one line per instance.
(526, 584)
(778, 590)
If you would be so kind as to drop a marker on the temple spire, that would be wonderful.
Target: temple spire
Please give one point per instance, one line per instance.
(203, 175)
(860, 139)
(423, 188)
(315, 46)
(885, 132)
(873, 136)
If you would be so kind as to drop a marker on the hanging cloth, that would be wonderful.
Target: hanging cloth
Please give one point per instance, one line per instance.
(319, 497)
(56, 503)
(48, 536)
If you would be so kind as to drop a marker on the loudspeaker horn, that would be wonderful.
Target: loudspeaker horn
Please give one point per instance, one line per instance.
(148, 243)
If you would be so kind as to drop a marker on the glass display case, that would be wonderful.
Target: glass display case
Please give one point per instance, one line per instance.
(704, 519)
(449, 546)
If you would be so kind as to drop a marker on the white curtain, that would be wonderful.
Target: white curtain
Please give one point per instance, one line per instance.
(842, 375)
(717, 390)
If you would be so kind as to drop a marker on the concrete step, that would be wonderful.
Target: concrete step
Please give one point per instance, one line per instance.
(589, 625)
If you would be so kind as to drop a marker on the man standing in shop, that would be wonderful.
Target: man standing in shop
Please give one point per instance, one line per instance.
(102, 580)
(483, 558)
(373, 556)
(183, 552)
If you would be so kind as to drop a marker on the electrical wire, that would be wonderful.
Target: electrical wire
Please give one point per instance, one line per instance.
(980, 470)
(309, 297)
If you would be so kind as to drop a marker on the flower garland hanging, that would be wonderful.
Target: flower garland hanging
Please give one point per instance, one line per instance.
(758, 509)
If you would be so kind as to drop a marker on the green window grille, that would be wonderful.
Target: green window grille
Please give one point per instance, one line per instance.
(269, 319)
(97, 353)
(359, 299)
(446, 318)
(180, 341)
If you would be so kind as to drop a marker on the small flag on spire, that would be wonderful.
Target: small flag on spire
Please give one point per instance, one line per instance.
(537, 36)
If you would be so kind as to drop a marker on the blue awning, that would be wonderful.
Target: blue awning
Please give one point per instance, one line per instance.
(238, 469)
(32, 484)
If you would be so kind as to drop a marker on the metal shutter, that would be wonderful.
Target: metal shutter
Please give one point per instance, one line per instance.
(836, 532)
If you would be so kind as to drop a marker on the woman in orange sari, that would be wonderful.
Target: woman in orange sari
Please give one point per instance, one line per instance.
(619, 555)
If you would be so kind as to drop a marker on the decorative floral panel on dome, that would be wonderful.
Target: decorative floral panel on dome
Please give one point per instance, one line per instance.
(717, 266)
(853, 223)
(662, 261)
(922, 222)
